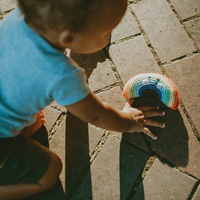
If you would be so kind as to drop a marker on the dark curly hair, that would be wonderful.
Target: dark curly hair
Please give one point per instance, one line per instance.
(58, 14)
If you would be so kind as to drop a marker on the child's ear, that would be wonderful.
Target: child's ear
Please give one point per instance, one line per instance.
(66, 39)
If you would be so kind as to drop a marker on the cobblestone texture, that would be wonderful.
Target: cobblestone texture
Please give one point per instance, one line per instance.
(166, 183)
(163, 29)
(197, 194)
(107, 165)
(133, 57)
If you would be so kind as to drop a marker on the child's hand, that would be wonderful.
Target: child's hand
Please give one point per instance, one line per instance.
(139, 118)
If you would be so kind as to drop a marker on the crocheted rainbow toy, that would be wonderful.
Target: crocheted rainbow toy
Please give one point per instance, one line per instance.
(153, 84)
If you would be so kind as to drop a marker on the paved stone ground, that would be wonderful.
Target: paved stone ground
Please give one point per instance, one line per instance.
(160, 36)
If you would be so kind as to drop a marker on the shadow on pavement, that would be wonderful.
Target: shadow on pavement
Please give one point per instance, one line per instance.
(172, 143)
(77, 156)
(88, 61)
(119, 161)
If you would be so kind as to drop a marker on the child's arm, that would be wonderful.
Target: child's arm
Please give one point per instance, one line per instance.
(92, 110)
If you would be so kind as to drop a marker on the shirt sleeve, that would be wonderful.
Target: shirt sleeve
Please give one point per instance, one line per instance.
(71, 85)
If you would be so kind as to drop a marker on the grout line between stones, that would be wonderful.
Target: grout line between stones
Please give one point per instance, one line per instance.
(134, 188)
(125, 39)
(56, 125)
(99, 146)
(5, 13)
(148, 165)
(194, 129)
(134, 1)
(58, 108)
(140, 178)
(193, 191)
(181, 58)
(107, 88)
(113, 67)
(191, 18)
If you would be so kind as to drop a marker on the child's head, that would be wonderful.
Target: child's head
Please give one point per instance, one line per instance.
(84, 26)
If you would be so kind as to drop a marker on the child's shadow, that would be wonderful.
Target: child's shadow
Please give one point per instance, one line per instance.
(172, 143)
(88, 61)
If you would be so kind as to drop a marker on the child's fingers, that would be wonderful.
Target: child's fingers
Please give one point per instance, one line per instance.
(43, 120)
(149, 133)
(42, 115)
(150, 122)
(149, 114)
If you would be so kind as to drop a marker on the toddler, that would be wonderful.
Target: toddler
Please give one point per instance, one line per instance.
(34, 72)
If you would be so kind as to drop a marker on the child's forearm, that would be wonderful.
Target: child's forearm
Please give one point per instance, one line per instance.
(92, 110)
(113, 119)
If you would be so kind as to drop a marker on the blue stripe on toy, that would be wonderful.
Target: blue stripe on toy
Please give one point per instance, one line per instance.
(151, 87)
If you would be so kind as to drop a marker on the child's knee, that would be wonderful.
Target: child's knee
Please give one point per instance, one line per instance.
(53, 171)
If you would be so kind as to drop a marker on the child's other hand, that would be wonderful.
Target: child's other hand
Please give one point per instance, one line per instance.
(140, 118)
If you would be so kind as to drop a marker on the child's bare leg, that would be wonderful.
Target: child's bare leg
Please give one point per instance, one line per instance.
(30, 130)
(18, 191)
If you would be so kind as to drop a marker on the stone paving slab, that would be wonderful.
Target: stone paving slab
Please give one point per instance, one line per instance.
(133, 57)
(126, 28)
(6, 5)
(193, 28)
(163, 29)
(114, 97)
(185, 8)
(113, 172)
(176, 142)
(197, 194)
(81, 139)
(51, 116)
(98, 69)
(164, 183)
(186, 75)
